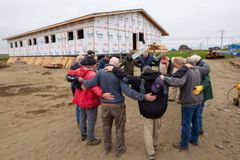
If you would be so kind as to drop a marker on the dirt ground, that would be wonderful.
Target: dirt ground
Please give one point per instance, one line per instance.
(37, 120)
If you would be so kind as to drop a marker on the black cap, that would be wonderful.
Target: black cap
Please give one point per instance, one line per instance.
(90, 52)
(89, 61)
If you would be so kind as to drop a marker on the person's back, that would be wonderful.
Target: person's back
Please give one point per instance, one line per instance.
(151, 112)
(190, 103)
(157, 108)
(88, 100)
(193, 78)
(92, 95)
(113, 109)
(110, 84)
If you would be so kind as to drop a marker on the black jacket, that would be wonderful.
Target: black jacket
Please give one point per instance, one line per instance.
(154, 109)
(75, 84)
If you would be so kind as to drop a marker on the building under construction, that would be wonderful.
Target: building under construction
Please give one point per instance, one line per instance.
(116, 32)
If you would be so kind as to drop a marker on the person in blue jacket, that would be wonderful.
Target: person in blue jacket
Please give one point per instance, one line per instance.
(146, 60)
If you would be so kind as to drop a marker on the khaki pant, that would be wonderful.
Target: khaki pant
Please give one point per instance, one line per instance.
(173, 93)
(151, 133)
(112, 112)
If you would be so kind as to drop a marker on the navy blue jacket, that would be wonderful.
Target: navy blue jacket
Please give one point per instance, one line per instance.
(158, 107)
(102, 63)
(149, 61)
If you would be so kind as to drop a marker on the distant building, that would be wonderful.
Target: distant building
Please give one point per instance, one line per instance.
(105, 33)
(215, 48)
(184, 48)
(232, 46)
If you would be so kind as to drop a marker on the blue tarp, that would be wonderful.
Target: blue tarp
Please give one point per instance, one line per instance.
(233, 46)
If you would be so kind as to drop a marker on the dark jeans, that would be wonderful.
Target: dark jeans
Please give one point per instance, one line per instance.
(116, 112)
(78, 111)
(190, 116)
(200, 117)
(87, 122)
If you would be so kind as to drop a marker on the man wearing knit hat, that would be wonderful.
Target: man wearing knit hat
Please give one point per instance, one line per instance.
(88, 100)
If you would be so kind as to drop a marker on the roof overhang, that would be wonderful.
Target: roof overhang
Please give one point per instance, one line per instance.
(92, 16)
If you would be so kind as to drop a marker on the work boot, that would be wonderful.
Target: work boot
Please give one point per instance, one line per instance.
(108, 150)
(83, 137)
(156, 147)
(179, 147)
(193, 143)
(120, 153)
(94, 142)
(151, 157)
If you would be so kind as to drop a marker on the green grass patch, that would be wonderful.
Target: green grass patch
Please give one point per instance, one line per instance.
(4, 57)
(186, 54)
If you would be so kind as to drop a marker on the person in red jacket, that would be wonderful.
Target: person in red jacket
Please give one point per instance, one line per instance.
(88, 100)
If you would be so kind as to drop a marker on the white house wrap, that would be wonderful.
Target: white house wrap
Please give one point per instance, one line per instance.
(106, 33)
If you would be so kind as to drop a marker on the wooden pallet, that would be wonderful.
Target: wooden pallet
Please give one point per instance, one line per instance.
(30, 60)
(38, 60)
(64, 61)
(46, 60)
(70, 62)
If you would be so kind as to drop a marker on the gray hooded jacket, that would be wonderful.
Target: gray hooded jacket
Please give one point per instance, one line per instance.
(192, 78)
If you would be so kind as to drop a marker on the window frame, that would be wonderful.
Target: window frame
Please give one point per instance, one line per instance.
(21, 43)
(53, 40)
(34, 41)
(70, 38)
(82, 34)
(30, 42)
(141, 37)
(16, 44)
(46, 39)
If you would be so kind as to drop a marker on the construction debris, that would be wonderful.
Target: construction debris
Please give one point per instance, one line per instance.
(235, 63)
(157, 48)
(54, 66)
(3, 65)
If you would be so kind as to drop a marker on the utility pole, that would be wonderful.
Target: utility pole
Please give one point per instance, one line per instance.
(222, 33)
(207, 42)
(200, 45)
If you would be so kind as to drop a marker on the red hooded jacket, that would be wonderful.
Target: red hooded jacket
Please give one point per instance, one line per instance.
(88, 98)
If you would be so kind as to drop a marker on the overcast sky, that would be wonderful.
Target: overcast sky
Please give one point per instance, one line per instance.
(193, 22)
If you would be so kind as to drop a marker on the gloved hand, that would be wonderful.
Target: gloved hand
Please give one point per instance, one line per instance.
(197, 90)
(71, 78)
